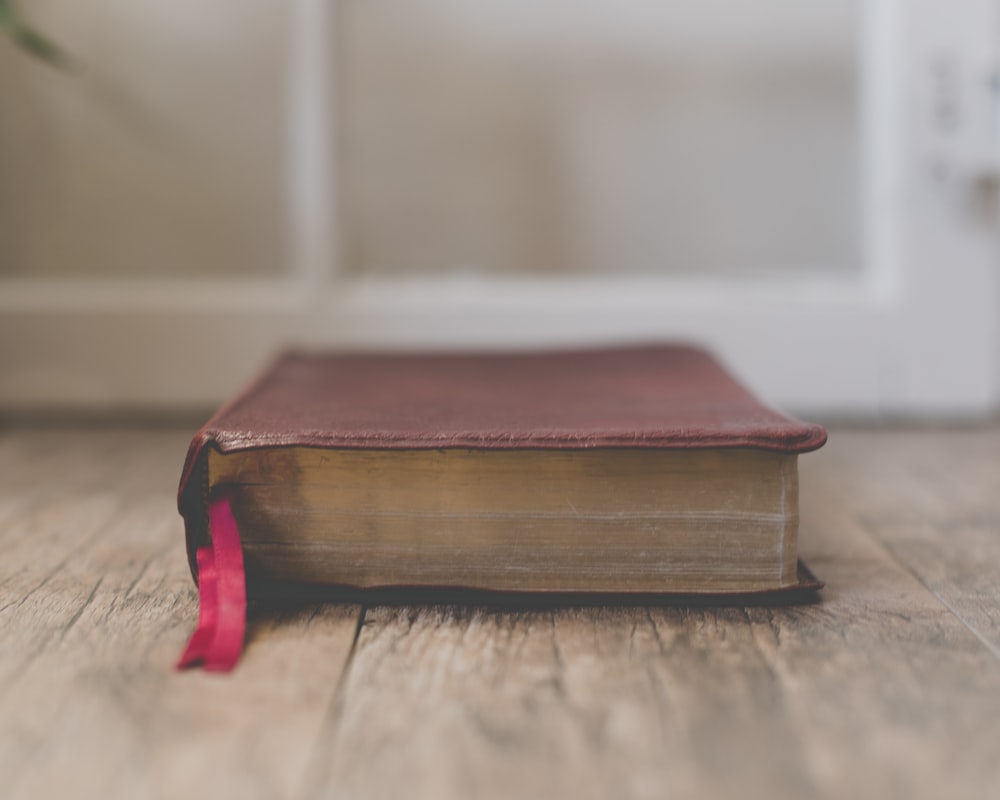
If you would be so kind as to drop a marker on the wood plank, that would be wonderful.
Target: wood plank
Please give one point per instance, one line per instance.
(844, 699)
(95, 606)
(964, 573)
(932, 498)
(908, 473)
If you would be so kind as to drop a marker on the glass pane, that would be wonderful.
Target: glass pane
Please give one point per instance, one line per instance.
(575, 136)
(161, 155)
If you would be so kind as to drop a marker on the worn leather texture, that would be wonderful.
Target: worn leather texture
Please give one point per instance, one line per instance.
(673, 396)
(662, 396)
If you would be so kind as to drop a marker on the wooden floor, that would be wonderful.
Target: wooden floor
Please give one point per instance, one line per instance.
(888, 687)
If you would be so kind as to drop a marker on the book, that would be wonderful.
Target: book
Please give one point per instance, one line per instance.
(623, 470)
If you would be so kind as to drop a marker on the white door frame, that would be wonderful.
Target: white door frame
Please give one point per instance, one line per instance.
(916, 332)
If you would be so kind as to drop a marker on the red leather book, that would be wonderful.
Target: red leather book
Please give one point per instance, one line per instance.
(620, 471)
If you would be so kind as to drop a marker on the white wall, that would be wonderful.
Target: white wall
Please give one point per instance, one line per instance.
(162, 155)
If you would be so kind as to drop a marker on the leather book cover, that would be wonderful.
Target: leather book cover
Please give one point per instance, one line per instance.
(663, 396)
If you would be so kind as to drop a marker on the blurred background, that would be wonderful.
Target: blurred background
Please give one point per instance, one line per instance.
(809, 188)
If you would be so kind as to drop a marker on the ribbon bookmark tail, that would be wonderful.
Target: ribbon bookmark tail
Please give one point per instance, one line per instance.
(217, 641)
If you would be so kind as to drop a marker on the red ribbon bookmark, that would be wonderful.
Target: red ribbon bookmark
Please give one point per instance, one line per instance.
(217, 642)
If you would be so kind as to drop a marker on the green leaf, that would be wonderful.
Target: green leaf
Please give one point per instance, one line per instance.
(29, 39)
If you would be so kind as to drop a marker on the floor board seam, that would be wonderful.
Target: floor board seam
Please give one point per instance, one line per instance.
(894, 557)
(328, 732)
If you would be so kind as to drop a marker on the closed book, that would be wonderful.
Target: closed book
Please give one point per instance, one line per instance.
(630, 470)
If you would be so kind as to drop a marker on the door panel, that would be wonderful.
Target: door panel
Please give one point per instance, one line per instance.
(597, 138)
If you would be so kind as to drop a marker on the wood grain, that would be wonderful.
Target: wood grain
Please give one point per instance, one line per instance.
(96, 604)
(888, 687)
(932, 499)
